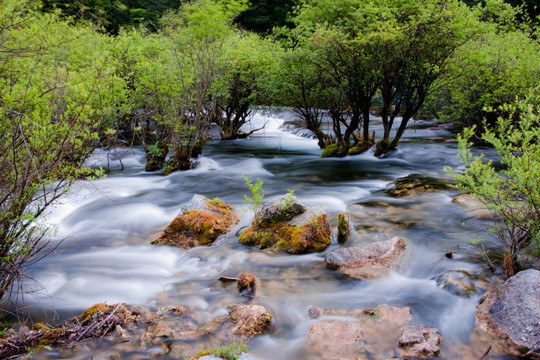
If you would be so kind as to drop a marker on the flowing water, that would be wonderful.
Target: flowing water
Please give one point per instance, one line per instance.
(103, 230)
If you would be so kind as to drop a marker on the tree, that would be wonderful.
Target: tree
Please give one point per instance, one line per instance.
(300, 85)
(243, 71)
(398, 48)
(338, 51)
(177, 73)
(428, 34)
(56, 97)
(499, 64)
(512, 193)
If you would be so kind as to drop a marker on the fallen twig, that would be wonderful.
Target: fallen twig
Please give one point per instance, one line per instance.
(486, 353)
(96, 323)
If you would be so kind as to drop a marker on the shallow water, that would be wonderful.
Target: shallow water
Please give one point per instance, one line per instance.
(103, 230)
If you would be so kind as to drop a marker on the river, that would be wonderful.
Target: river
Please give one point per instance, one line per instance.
(103, 231)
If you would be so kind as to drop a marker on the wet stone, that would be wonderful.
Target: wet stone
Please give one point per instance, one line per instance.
(411, 184)
(511, 313)
(419, 341)
(473, 207)
(457, 282)
(332, 339)
(249, 320)
(367, 261)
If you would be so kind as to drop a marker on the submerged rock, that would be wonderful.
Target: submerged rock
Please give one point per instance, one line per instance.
(332, 339)
(383, 314)
(457, 282)
(511, 314)
(249, 320)
(285, 224)
(367, 261)
(419, 341)
(474, 207)
(413, 183)
(199, 223)
(380, 328)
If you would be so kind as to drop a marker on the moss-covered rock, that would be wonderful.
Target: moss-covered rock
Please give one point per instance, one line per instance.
(199, 223)
(249, 320)
(383, 146)
(246, 283)
(92, 310)
(414, 183)
(177, 165)
(306, 232)
(339, 149)
(330, 150)
(343, 229)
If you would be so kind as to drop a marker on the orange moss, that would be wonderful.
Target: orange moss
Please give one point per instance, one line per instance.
(246, 281)
(88, 313)
(51, 336)
(199, 227)
(40, 327)
(200, 354)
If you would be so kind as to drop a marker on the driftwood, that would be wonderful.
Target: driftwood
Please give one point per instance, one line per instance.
(96, 322)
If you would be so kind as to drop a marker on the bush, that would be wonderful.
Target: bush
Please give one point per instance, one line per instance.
(513, 193)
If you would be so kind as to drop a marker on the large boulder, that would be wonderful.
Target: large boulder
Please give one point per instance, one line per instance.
(333, 339)
(249, 320)
(199, 223)
(284, 224)
(419, 341)
(367, 261)
(511, 314)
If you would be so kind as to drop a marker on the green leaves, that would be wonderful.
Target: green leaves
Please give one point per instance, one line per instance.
(58, 89)
(512, 192)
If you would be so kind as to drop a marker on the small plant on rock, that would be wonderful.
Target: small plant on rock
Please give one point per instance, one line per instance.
(229, 351)
(154, 151)
(255, 201)
(287, 203)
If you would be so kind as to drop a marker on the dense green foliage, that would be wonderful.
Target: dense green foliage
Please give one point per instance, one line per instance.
(499, 64)
(346, 53)
(56, 96)
(513, 192)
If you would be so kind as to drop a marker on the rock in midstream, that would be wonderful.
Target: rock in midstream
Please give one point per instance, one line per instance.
(369, 260)
(284, 224)
(199, 223)
(249, 320)
(419, 341)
